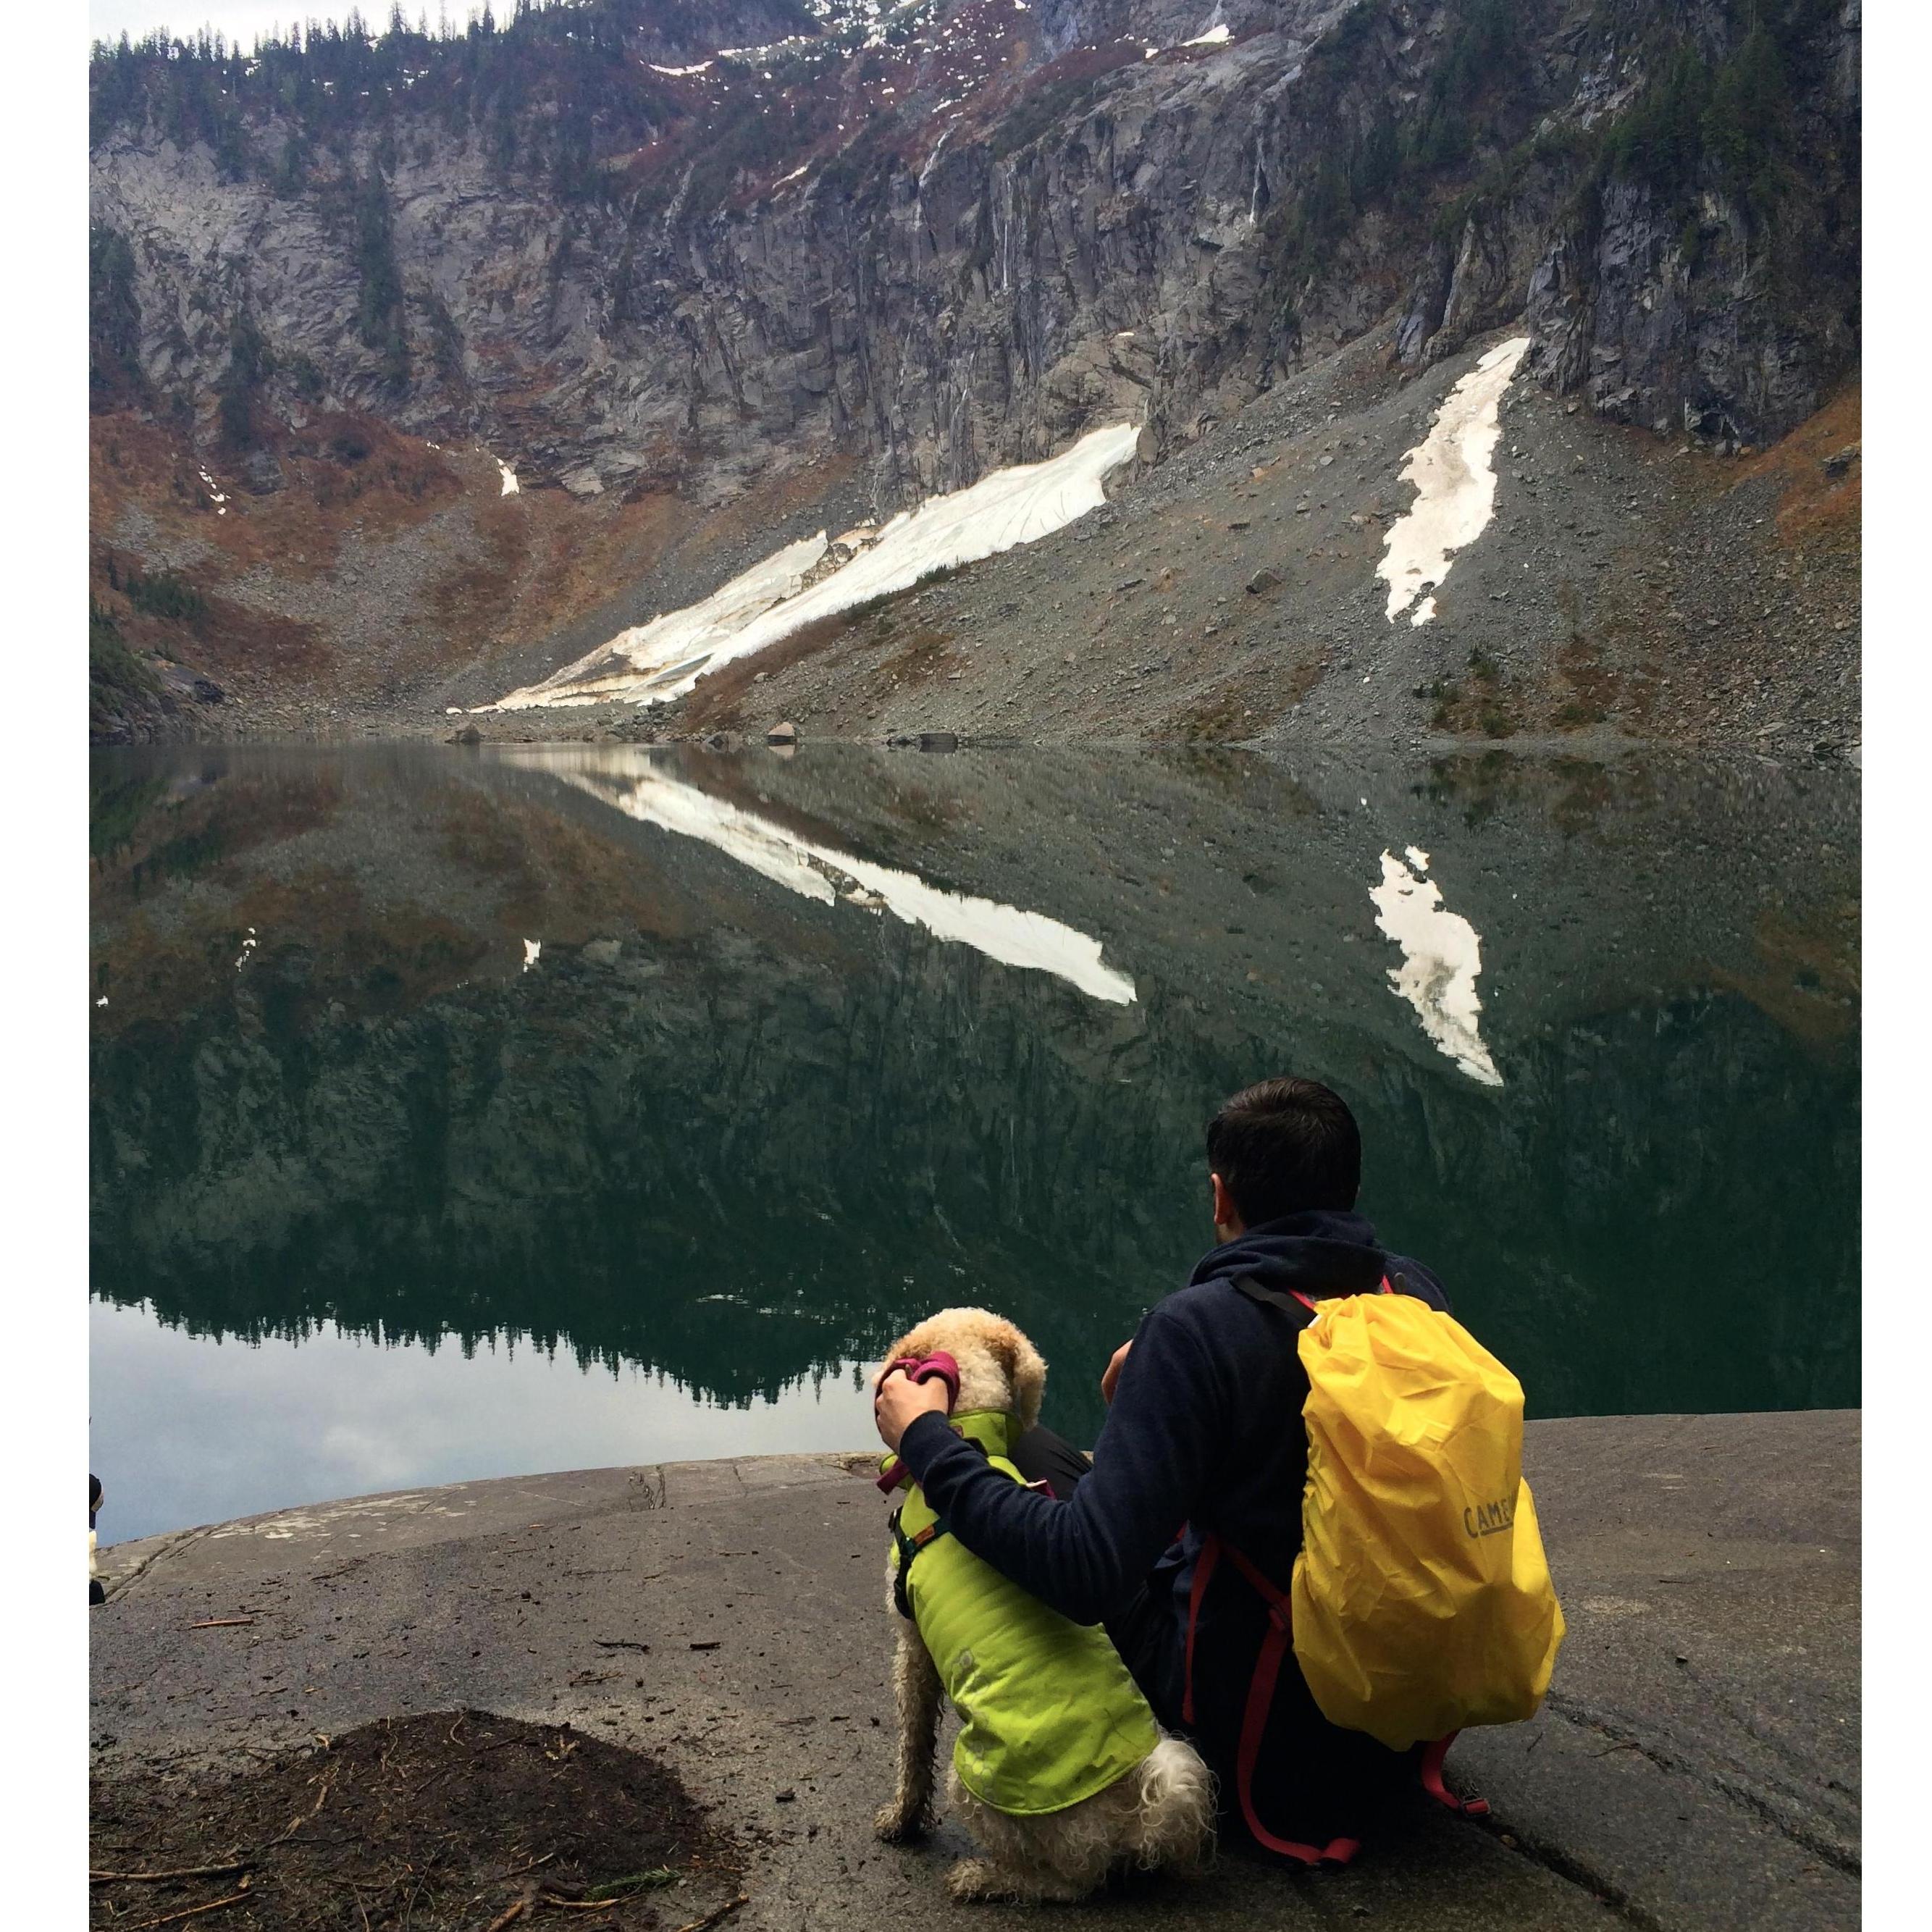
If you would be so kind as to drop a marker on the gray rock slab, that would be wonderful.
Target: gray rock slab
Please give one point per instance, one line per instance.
(729, 1617)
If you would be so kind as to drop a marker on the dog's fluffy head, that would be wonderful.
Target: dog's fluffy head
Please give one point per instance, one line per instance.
(999, 1368)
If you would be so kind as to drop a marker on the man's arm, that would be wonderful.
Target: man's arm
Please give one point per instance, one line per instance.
(1084, 1556)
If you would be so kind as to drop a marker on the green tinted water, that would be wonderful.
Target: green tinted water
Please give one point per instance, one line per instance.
(460, 1114)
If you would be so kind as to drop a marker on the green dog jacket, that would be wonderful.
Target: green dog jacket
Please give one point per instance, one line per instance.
(1049, 1714)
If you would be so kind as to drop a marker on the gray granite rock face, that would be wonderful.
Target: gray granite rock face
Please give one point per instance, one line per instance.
(1090, 234)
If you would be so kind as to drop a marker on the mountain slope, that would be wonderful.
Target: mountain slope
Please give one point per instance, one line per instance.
(876, 252)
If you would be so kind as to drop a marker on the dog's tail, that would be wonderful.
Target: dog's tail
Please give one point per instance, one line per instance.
(1174, 1806)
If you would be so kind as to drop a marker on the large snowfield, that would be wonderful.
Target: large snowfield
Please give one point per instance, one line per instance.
(1456, 485)
(663, 659)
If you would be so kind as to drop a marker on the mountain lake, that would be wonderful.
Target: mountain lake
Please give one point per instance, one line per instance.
(466, 1112)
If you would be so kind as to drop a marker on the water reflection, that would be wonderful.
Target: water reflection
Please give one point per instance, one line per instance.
(1442, 958)
(1002, 932)
(512, 1062)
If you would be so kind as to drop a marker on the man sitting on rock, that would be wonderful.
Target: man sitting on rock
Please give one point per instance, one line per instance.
(1204, 1434)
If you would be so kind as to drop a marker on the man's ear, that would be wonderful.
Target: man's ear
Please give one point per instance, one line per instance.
(1227, 1216)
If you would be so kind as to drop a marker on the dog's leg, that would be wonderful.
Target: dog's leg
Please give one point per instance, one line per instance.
(919, 1692)
(972, 1881)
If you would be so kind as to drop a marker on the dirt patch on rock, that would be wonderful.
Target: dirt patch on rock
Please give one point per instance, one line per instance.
(455, 1819)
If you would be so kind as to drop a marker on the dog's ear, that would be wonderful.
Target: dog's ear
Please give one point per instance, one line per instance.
(1025, 1372)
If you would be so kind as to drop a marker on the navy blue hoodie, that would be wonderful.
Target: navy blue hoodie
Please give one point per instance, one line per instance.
(1205, 1433)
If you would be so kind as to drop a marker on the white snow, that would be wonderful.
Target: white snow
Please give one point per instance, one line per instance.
(792, 177)
(628, 780)
(663, 658)
(215, 495)
(248, 947)
(652, 661)
(1456, 487)
(1215, 36)
(511, 488)
(532, 948)
(102, 1001)
(1442, 958)
(678, 73)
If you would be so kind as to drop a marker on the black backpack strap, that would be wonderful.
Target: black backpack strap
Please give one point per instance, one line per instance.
(1301, 1308)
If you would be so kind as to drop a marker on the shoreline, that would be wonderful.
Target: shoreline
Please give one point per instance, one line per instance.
(1695, 1765)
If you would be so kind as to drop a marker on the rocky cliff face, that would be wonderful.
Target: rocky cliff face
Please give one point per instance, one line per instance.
(957, 233)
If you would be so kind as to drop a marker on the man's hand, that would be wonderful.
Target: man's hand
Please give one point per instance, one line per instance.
(898, 1401)
(1110, 1380)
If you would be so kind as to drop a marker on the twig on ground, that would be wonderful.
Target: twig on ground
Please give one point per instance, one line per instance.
(156, 1877)
(619, 1643)
(711, 1917)
(556, 1903)
(220, 1623)
(295, 1824)
(516, 1871)
(192, 1912)
(514, 1911)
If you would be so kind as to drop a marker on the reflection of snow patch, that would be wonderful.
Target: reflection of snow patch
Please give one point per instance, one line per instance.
(532, 948)
(628, 781)
(1455, 488)
(1441, 957)
(663, 659)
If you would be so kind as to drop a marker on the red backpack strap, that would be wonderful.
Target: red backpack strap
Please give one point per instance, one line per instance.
(1204, 1569)
(1431, 1769)
(1261, 1702)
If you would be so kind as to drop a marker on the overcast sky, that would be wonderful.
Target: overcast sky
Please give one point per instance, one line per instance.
(107, 19)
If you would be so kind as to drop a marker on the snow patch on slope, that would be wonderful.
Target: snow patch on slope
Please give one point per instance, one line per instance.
(1456, 487)
(1442, 958)
(663, 659)
(628, 780)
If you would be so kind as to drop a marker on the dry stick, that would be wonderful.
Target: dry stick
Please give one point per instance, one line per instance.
(328, 1778)
(220, 1623)
(557, 1904)
(516, 1871)
(502, 1919)
(154, 1878)
(193, 1912)
(712, 1917)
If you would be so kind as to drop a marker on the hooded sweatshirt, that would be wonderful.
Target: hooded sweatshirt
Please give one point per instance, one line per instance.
(1204, 1433)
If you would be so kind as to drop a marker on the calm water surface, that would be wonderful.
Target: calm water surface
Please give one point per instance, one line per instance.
(459, 1113)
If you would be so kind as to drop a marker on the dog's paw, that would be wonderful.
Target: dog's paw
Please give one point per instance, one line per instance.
(968, 1880)
(898, 1826)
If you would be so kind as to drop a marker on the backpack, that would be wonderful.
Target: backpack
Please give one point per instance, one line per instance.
(1421, 1602)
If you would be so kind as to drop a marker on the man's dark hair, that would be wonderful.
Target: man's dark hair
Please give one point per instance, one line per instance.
(1284, 1146)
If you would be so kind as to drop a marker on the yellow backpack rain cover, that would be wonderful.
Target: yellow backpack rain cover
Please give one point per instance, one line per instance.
(1422, 1603)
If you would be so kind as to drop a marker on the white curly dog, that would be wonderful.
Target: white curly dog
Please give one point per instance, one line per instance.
(1059, 1771)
